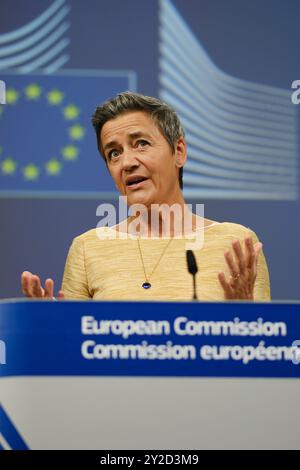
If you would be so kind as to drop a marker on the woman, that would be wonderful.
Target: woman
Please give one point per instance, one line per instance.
(143, 258)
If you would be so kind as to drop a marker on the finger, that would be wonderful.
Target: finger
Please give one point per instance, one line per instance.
(239, 255)
(61, 295)
(228, 291)
(231, 264)
(30, 285)
(257, 248)
(24, 275)
(49, 288)
(36, 287)
(26, 284)
(250, 252)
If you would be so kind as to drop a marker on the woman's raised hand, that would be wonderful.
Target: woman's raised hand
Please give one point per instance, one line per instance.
(242, 266)
(32, 288)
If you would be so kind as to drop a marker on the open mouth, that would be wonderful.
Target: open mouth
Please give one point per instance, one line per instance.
(136, 183)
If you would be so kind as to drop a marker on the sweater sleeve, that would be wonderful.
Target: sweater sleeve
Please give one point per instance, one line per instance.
(262, 290)
(75, 283)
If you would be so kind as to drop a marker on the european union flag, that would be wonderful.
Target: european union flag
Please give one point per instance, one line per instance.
(47, 143)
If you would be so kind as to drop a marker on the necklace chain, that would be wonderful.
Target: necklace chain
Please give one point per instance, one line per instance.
(162, 254)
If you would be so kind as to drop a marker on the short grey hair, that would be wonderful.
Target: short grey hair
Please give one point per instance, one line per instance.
(162, 114)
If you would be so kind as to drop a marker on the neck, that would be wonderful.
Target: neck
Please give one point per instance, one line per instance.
(164, 220)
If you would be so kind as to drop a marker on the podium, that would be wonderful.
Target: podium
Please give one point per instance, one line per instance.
(149, 375)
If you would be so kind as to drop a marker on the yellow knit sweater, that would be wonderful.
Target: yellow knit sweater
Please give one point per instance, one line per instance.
(104, 264)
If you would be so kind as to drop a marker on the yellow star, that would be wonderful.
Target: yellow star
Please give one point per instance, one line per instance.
(71, 112)
(12, 96)
(70, 152)
(53, 166)
(8, 166)
(33, 91)
(31, 172)
(76, 132)
(55, 97)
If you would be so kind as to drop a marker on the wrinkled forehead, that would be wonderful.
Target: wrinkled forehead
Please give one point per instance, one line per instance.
(128, 123)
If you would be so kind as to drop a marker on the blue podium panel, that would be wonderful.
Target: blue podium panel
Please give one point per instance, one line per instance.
(145, 375)
(151, 338)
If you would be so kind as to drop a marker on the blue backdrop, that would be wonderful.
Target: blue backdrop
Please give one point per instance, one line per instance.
(227, 67)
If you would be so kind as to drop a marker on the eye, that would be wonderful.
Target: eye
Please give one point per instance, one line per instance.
(113, 154)
(142, 143)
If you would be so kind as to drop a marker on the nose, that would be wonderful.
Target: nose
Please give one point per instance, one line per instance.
(129, 160)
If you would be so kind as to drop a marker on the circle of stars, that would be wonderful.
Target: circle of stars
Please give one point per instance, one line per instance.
(76, 132)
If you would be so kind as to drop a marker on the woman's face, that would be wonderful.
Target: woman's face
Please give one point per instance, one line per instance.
(135, 147)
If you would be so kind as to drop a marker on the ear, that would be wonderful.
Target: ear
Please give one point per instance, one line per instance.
(180, 152)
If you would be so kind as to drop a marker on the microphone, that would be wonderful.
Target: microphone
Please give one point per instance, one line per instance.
(193, 269)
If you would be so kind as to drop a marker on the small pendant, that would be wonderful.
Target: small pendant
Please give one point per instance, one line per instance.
(146, 285)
